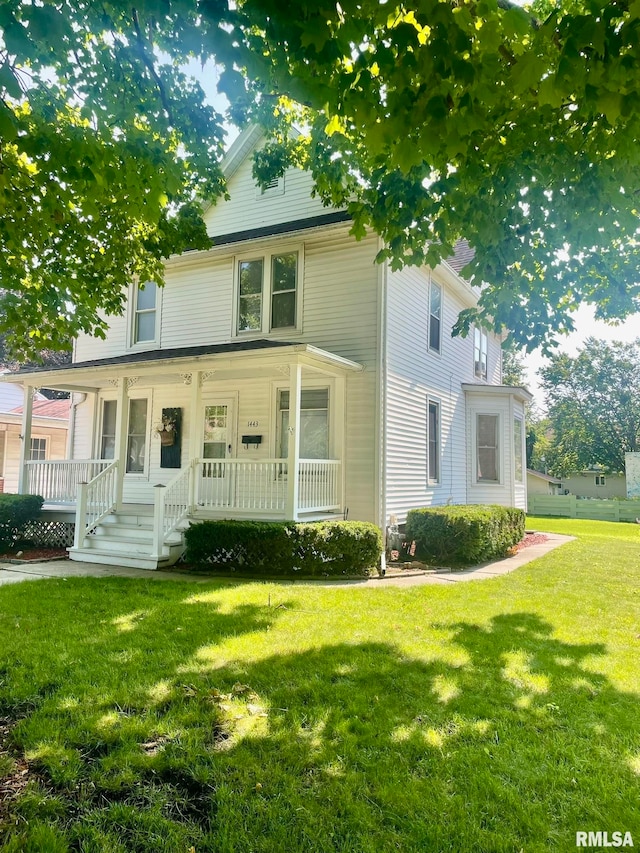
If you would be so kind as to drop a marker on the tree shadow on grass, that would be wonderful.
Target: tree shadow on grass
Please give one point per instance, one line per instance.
(349, 747)
(364, 750)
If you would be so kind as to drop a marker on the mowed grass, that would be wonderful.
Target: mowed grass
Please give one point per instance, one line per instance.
(497, 715)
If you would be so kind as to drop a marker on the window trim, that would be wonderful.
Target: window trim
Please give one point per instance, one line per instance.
(484, 338)
(434, 481)
(266, 256)
(133, 315)
(432, 284)
(499, 450)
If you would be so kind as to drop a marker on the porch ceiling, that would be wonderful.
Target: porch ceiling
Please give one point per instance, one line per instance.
(228, 361)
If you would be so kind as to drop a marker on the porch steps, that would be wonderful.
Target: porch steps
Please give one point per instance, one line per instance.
(126, 539)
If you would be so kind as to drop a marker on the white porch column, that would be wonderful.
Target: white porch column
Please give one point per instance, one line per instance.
(122, 417)
(25, 435)
(195, 448)
(293, 457)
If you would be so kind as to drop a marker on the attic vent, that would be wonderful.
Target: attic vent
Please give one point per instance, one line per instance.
(274, 187)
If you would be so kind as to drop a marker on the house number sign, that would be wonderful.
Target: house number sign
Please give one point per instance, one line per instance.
(253, 423)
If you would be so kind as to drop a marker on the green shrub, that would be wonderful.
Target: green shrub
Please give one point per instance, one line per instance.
(285, 548)
(464, 535)
(15, 512)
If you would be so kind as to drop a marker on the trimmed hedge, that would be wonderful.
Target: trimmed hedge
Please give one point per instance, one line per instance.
(285, 548)
(16, 511)
(466, 534)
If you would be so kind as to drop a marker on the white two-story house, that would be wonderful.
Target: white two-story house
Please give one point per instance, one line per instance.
(280, 374)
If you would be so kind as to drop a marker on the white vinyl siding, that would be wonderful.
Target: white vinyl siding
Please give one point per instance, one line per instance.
(412, 375)
(247, 208)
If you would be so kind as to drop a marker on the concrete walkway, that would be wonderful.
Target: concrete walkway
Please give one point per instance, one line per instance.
(13, 573)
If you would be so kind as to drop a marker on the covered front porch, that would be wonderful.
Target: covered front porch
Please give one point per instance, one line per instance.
(245, 430)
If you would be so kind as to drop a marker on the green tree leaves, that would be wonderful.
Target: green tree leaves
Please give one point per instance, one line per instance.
(594, 406)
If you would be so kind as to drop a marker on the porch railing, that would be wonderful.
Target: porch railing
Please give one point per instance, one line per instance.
(172, 504)
(261, 486)
(57, 480)
(96, 500)
(319, 483)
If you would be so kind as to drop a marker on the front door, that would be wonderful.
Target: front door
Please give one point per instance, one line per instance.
(217, 446)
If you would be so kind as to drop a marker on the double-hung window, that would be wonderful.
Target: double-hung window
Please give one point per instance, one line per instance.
(488, 448)
(108, 431)
(268, 293)
(137, 436)
(38, 449)
(480, 349)
(144, 321)
(435, 316)
(433, 442)
(314, 423)
(517, 450)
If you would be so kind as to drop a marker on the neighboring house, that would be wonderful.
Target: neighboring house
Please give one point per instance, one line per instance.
(48, 438)
(595, 483)
(283, 373)
(541, 484)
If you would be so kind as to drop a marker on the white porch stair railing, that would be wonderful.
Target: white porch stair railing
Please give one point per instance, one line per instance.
(96, 500)
(172, 504)
(57, 480)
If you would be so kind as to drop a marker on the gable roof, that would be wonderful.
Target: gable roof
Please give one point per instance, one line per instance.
(462, 254)
(48, 409)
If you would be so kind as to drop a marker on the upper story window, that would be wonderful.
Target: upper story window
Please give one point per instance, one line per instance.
(144, 322)
(601, 480)
(268, 293)
(480, 350)
(435, 316)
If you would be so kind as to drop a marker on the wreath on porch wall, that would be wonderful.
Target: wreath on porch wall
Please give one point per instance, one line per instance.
(167, 429)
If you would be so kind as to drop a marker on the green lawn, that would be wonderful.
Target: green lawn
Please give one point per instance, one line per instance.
(497, 715)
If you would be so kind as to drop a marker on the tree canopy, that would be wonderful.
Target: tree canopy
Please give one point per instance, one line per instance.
(517, 129)
(593, 404)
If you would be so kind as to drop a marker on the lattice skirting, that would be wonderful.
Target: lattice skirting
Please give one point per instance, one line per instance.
(50, 534)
